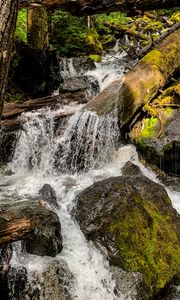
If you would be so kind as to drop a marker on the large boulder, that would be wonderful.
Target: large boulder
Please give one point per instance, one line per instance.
(133, 219)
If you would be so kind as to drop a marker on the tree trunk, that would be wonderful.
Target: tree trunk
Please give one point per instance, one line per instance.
(38, 27)
(8, 16)
(141, 84)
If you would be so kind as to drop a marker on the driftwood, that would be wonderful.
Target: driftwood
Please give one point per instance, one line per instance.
(30, 221)
(11, 110)
(141, 84)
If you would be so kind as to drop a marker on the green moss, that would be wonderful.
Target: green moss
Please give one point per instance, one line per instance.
(153, 57)
(93, 43)
(21, 25)
(150, 128)
(148, 244)
(175, 17)
(166, 57)
(95, 57)
(168, 110)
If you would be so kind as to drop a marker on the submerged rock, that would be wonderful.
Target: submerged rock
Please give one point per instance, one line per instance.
(132, 217)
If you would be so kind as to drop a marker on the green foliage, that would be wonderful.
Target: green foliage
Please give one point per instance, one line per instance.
(116, 18)
(71, 36)
(21, 25)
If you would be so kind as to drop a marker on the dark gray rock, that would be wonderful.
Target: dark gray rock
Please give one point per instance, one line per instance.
(127, 284)
(82, 83)
(54, 282)
(46, 238)
(128, 216)
(48, 194)
(7, 145)
(130, 169)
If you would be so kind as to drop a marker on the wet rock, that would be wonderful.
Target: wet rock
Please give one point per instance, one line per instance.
(47, 238)
(32, 222)
(130, 169)
(76, 66)
(83, 64)
(171, 293)
(7, 146)
(48, 194)
(132, 217)
(82, 83)
(127, 283)
(164, 150)
(16, 282)
(5, 257)
(54, 282)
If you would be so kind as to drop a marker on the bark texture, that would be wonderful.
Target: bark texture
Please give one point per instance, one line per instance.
(33, 222)
(8, 16)
(90, 7)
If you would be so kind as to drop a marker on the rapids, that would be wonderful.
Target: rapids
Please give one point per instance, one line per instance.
(47, 152)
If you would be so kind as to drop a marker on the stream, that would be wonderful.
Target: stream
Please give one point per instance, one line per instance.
(70, 156)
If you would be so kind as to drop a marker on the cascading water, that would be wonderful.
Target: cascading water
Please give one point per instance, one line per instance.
(70, 155)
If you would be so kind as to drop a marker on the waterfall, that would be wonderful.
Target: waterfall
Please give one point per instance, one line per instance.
(82, 142)
(70, 154)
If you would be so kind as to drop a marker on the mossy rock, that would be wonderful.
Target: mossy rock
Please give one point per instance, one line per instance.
(133, 219)
(157, 137)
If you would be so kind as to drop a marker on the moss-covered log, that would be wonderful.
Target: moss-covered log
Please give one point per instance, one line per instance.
(142, 83)
(8, 16)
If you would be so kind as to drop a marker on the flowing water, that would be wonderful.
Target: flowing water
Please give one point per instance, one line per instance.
(70, 156)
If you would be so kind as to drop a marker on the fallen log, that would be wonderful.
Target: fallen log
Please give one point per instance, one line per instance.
(140, 84)
(125, 30)
(33, 222)
(146, 49)
(91, 7)
(11, 110)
